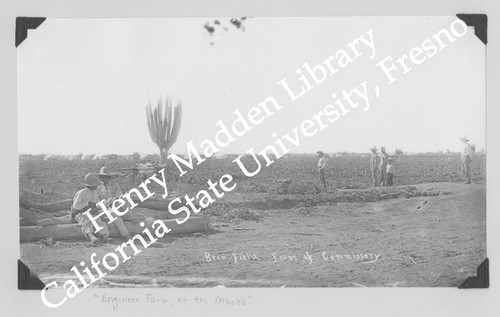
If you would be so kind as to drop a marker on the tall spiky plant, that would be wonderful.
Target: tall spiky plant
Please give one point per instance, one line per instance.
(164, 123)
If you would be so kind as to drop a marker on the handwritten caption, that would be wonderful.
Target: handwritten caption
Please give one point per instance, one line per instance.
(366, 258)
(172, 301)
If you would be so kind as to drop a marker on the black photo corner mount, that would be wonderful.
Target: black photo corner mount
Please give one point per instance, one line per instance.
(482, 278)
(480, 24)
(23, 24)
(25, 280)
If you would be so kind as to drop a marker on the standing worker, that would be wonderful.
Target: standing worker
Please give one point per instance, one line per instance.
(321, 168)
(466, 157)
(383, 166)
(390, 172)
(374, 164)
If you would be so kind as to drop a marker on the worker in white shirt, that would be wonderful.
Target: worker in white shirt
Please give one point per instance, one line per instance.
(321, 168)
(389, 175)
(86, 199)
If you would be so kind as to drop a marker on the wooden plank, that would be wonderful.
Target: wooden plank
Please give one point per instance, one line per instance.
(50, 207)
(73, 231)
(153, 213)
(151, 203)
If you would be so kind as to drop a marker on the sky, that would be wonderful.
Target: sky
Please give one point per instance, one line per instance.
(83, 84)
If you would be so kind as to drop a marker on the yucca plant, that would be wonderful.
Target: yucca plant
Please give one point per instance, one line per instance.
(164, 123)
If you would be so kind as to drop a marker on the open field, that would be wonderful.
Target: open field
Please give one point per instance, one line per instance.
(62, 178)
(428, 230)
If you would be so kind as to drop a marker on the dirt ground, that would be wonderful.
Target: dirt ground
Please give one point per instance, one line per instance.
(426, 240)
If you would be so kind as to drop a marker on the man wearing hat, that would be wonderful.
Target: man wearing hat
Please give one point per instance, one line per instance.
(383, 166)
(466, 158)
(110, 190)
(321, 168)
(84, 200)
(374, 164)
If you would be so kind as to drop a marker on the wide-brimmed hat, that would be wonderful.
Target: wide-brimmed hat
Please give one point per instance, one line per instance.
(464, 139)
(105, 172)
(374, 149)
(92, 180)
(382, 148)
(320, 153)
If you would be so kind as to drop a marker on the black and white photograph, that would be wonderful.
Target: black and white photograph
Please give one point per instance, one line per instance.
(251, 152)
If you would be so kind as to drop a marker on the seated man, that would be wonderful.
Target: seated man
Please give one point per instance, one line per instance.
(84, 200)
(109, 190)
